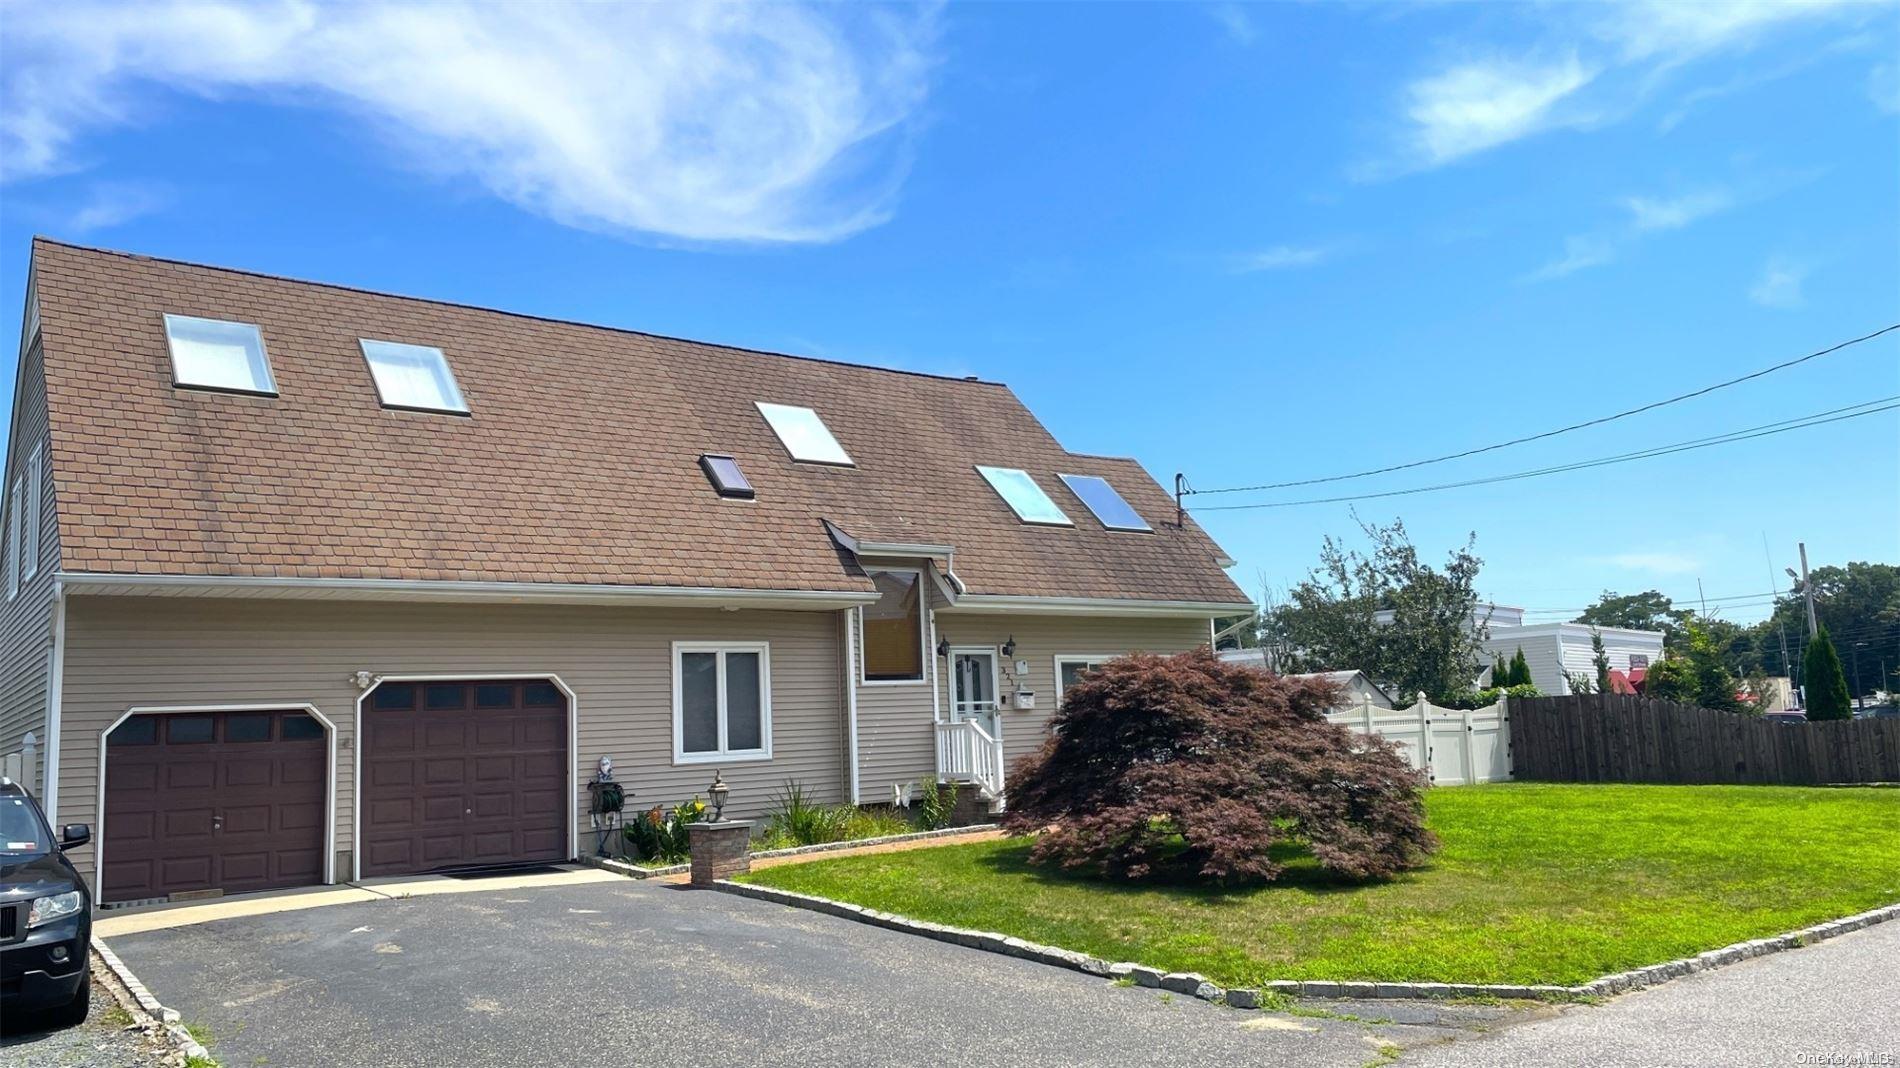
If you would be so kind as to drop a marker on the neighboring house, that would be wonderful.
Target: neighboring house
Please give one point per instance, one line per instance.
(1551, 649)
(308, 584)
(1355, 689)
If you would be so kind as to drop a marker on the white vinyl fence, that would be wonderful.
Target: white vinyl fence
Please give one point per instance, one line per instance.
(1455, 746)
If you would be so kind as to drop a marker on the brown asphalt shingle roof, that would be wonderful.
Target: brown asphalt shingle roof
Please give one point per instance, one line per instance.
(578, 465)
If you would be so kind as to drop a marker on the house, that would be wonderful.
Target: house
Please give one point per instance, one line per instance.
(1355, 688)
(1554, 649)
(308, 584)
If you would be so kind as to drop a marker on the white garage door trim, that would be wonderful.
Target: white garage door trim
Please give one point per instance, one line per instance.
(356, 744)
(329, 786)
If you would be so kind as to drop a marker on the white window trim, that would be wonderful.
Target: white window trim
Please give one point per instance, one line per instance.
(723, 755)
(923, 636)
(30, 518)
(270, 374)
(13, 540)
(1074, 658)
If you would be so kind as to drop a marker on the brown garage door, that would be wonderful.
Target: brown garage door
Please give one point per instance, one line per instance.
(229, 801)
(463, 774)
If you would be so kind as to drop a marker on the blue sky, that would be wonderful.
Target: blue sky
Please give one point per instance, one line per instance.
(1251, 243)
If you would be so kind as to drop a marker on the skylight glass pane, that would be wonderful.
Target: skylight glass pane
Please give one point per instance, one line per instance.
(723, 472)
(1107, 505)
(803, 434)
(1022, 494)
(218, 355)
(412, 376)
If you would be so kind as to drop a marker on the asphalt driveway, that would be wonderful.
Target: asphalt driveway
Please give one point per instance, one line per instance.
(629, 973)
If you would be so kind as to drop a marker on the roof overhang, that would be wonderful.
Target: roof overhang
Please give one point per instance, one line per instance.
(353, 589)
(1095, 606)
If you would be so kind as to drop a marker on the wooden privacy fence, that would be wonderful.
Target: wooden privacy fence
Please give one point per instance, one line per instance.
(1626, 738)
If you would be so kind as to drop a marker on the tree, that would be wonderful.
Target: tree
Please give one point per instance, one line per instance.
(1694, 674)
(1520, 669)
(1826, 683)
(1403, 622)
(1187, 765)
(1601, 659)
(1859, 603)
(1649, 610)
(1501, 672)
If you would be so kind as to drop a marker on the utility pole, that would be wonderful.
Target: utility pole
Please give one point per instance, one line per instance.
(1853, 653)
(1807, 591)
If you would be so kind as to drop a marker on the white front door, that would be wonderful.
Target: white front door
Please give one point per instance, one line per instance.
(973, 687)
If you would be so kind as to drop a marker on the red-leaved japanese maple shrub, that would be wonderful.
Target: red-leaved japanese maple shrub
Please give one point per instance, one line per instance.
(1190, 766)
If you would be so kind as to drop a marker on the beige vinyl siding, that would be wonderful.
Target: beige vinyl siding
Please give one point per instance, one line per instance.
(26, 622)
(124, 652)
(897, 743)
(896, 733)
(1039, 639)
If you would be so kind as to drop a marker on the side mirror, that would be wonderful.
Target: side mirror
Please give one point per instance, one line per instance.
(74, 835)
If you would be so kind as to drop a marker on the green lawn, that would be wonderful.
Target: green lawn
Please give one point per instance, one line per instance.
(1536, 883)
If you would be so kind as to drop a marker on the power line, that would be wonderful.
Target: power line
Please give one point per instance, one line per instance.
(1764, 430)
(1560, 430)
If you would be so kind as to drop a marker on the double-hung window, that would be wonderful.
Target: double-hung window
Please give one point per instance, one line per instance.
(1070, 668)
(722, 702)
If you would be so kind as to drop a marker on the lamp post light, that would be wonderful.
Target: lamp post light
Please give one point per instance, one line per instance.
(718, 791)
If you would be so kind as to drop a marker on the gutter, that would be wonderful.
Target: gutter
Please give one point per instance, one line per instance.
(449, 590)
(55, 697)
(993, 602)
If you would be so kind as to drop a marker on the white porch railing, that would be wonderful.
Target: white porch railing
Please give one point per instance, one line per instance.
(966, 752)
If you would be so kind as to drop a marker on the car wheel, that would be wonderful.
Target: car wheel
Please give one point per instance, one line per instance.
(74, 1012)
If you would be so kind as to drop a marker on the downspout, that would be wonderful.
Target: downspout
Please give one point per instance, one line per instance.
(55, 680)
(851, 698)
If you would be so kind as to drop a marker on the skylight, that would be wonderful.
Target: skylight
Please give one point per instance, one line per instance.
(413, 376)
(1107, 505)
(1022, 494)
(214, 354)
(804, 435)
(723, 472)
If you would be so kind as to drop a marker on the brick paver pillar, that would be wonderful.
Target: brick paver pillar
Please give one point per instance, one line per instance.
(720, 850)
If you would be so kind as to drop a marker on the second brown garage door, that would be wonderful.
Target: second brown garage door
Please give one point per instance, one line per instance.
(463, 775)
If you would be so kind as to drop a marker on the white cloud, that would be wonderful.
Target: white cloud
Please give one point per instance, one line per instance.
(1581, 252)
(1284, 257)
(1610, 58)
(1780, 284)
(1674, 213)
(1234, 19)
(1479, 105)
(1674, 31)
(110, 204)
(704, 122)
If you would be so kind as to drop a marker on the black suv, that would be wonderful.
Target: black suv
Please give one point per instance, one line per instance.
(45, 915)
